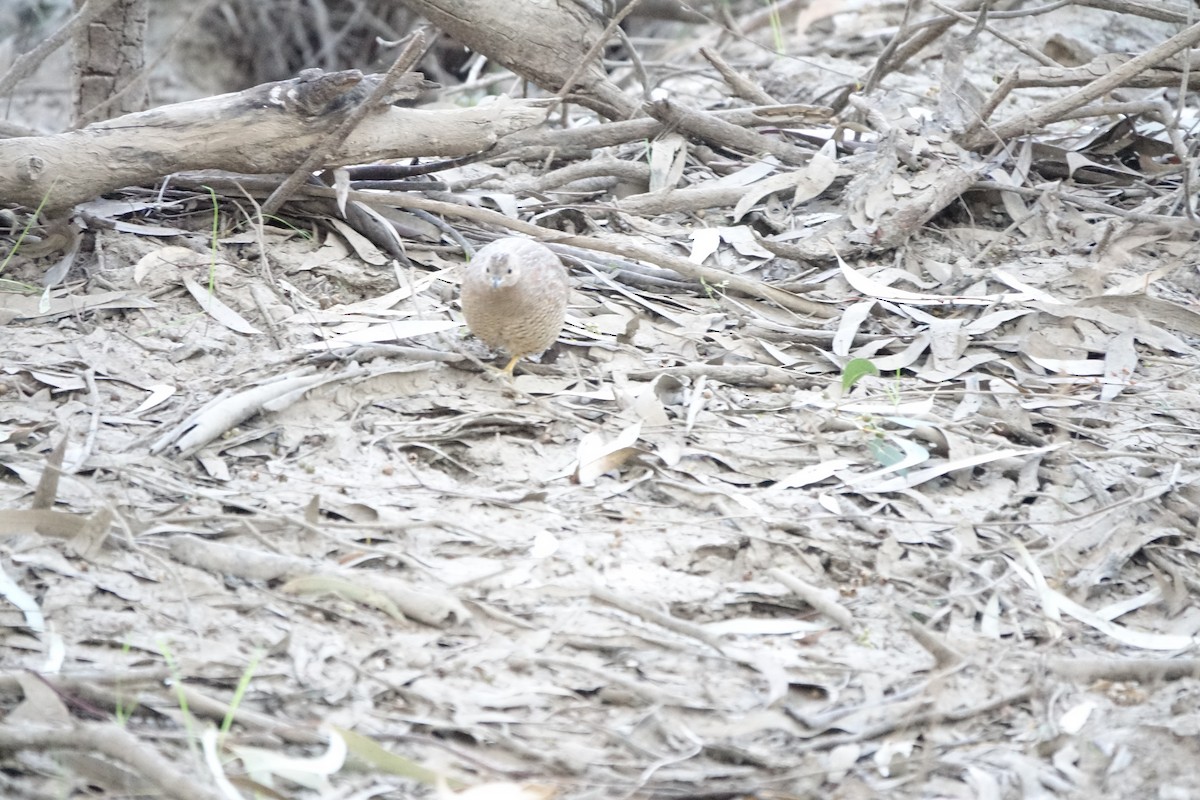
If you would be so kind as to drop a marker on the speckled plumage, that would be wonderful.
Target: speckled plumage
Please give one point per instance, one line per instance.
(514, 296)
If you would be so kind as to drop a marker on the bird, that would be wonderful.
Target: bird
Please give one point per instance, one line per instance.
(514, 297)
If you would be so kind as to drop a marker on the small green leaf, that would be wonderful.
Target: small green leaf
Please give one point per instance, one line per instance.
(855, 368)
(886, 453)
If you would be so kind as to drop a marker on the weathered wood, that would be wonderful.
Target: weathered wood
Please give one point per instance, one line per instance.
(543, 41)
(266, 129)
(110, 62)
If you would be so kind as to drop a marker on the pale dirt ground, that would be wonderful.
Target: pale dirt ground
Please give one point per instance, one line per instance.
(404, 551)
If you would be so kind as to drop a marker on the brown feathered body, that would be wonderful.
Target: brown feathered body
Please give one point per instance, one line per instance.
(514, 297)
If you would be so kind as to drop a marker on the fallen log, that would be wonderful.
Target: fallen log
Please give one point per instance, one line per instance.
(269, 128)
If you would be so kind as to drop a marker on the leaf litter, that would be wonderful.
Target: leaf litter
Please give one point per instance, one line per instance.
(683, 556)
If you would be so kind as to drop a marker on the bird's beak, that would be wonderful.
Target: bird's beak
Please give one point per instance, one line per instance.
(496, 281)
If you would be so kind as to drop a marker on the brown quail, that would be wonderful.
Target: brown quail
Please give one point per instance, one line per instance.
(514, 296)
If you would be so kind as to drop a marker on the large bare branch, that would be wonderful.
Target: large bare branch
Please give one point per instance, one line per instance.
(543, 41)
(270, 128)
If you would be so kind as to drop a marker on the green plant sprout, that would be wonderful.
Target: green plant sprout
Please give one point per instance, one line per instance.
(239, 693)
(883, 450)
(776, 25)
(893, 390)
(303, 233)
(212, 248)
(189, 724)
(711, 289)
(123, 712)
(28, 225)
(283, 223)
(7, 285)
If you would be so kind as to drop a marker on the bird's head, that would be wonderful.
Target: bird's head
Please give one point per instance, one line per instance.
(501, 270)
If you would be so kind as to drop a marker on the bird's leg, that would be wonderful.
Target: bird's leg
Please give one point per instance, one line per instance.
(512, 363)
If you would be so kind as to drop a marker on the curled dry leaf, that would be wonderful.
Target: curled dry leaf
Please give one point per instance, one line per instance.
(218, 310)
(807, 182)
(167, 259)
(265, 765)
(596, 456)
